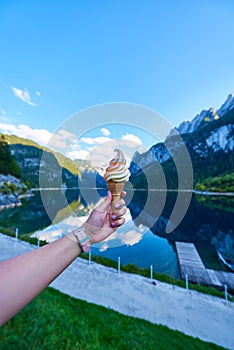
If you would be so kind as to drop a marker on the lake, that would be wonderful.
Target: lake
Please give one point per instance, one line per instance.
(208, 223)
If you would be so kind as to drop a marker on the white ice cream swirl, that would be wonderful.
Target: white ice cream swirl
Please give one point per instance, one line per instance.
(117, 170)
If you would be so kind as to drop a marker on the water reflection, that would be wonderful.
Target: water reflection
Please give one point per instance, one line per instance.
(29, 217)
(143, 239)
(128, 234)
(208, 223)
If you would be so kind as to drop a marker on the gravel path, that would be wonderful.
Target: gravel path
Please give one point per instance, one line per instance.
(196, 314)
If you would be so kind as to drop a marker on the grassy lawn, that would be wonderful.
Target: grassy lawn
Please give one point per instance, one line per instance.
(56, 321)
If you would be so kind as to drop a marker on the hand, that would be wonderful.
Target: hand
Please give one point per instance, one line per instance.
(102, 221)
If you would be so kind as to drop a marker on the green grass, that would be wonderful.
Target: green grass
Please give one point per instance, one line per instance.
(56, 321)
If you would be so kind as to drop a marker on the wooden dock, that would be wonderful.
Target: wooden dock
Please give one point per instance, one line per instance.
(191, 265)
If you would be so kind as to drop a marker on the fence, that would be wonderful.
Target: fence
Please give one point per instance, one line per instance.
(200, 278)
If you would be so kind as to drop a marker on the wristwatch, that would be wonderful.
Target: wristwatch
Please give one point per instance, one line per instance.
(83, 239)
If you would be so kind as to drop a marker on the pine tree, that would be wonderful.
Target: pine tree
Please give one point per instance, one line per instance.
(7, 162)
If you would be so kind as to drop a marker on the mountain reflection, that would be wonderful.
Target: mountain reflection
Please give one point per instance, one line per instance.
(201, 224)
(208, 223)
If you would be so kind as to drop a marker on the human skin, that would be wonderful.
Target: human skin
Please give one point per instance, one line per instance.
(24, 276)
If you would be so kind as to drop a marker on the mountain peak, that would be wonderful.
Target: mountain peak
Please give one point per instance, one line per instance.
(228, 104)
(204, 117)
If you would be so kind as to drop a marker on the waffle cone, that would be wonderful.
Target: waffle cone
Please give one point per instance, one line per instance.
(115, 188)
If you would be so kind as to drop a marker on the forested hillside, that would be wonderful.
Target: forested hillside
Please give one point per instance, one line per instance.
(26, 158)
(222, 183)
(7, 162)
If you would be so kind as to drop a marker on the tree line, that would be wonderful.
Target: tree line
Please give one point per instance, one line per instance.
(7, 162)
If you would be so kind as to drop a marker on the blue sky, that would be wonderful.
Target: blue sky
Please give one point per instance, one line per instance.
(60, 57)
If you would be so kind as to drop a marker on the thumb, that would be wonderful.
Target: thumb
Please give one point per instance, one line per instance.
(104, 204)
(109, 196)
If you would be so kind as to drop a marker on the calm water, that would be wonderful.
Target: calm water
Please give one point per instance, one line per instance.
(208, 223)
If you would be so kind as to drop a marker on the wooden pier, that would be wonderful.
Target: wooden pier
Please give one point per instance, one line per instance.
(191, 265)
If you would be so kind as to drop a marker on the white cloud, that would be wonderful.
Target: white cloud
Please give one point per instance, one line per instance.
(95, 140)
(98, 150)
(23, 95)
(18, 112)
(61, 141)
(38, 93)
(81, 154)
(131, 237)
(75, 151)
(105, 131)
(40, 136)
(133, 138)
(101, 154)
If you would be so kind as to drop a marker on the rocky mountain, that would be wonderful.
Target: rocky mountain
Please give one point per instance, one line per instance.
(227, 106)
(90, 176)
(27, 155)
(12, 189)
(209, 139)
(206, 116)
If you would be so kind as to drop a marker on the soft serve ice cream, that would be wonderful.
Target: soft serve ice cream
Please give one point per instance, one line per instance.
(116, 175)
(117, 170)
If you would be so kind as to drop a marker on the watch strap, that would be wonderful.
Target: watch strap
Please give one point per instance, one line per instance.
(83, 239)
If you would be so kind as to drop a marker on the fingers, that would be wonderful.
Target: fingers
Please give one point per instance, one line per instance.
(116, 217)
(117, 222)
(122, 211)
(118, 205)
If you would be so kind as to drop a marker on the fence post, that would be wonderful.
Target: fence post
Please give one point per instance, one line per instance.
(226, 293)
(119, 265)
(90, 256)
(38, 242)
(151, 273)
(16, 233)
(186, 281)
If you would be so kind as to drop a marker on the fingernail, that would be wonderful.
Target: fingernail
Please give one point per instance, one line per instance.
(113, 224)
(114, 216)
(117, 205)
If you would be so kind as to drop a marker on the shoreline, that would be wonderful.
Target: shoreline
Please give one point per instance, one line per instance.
(17, 203)
(205, 193)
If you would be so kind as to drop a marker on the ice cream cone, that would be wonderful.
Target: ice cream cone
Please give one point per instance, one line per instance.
(116, 175)
(115, 188)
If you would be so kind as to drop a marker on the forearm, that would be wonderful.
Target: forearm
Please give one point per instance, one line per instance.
(25, 276)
